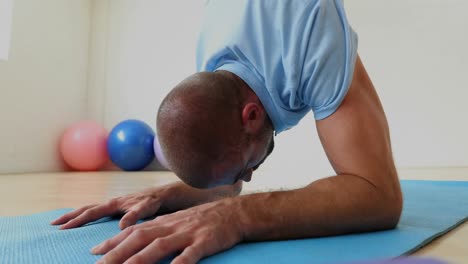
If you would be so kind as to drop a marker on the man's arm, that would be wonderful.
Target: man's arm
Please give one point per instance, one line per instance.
(364, 196)
(180, 196)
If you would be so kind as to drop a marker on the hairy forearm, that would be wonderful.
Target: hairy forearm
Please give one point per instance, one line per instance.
(330, 206)
(178, 196)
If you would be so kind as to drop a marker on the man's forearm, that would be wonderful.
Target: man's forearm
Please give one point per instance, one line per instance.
(330, 206)
(178, 196)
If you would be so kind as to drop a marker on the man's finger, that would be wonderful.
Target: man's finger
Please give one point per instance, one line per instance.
(136, 213)
(130, 218)
(137, 240)
(93, 214)
(111, 243)
(68, 216)
(191, 254)
(161, 248)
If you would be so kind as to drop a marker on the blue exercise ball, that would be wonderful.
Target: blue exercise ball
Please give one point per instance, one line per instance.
(130, 145)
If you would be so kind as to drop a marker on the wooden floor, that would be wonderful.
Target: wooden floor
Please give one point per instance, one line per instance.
(22, 194)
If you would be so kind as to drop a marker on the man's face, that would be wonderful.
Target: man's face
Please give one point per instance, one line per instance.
(241, 165)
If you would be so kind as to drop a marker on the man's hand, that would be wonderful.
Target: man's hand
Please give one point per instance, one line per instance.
(133, 207)
(140, 205)
(196, 232)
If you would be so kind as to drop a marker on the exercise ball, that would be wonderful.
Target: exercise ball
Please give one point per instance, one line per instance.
(83, 146)
(158, 153)
(130, 145)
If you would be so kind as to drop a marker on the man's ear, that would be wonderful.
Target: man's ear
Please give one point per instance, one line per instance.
(253, 118)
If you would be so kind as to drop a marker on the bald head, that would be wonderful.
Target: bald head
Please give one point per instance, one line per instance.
(199, 122)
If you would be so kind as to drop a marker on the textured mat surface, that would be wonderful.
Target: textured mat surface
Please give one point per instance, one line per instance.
(431, 209)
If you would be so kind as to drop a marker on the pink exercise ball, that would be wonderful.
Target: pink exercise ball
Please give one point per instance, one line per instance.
(158, 153)
(84, 146)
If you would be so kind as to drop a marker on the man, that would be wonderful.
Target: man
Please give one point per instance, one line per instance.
(263, 66)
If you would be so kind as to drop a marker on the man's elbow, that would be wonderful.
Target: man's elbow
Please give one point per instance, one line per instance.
(391, 208)
(395, 209)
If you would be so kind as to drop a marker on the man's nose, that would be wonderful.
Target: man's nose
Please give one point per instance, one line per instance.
(247, 175)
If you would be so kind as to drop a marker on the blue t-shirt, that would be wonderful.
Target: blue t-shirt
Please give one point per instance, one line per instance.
(296, 55)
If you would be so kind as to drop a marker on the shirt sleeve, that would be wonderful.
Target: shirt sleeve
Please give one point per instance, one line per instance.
(329, 59)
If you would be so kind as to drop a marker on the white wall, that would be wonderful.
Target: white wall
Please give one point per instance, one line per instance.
(140, 50)
(43, 84)
(6, 10)
(415, 52)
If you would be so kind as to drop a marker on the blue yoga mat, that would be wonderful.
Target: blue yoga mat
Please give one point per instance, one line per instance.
(431, 208)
